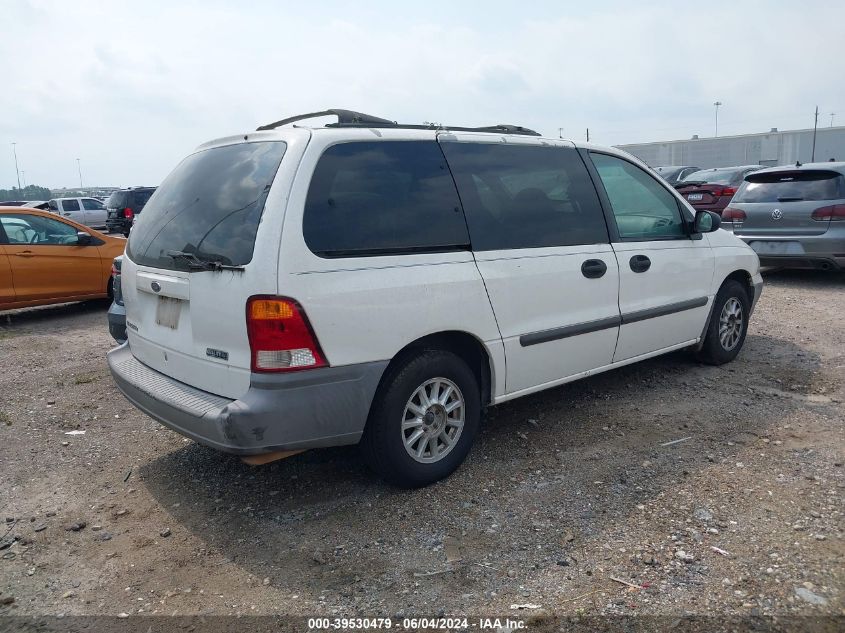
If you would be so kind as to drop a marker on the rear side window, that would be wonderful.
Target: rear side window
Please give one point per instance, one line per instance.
(140, 198)
(792, 186)
(383, 198)
(210, 206)
(525, 196)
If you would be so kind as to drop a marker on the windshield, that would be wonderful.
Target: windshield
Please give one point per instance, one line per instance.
(209, 206)
(794, 186)
(715, 176)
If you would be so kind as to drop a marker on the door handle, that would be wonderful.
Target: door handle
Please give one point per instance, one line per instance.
(25, 254)
(593, 268)
(640, 263)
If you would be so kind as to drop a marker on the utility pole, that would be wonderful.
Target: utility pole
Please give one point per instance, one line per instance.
(588, 135)
(815, 127)
(717, 104)
(79, 167)
(17, 172)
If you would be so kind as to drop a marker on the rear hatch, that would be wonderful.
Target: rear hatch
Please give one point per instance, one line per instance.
(709, 188)
(190, 267)
(115, 204)
(780, 204)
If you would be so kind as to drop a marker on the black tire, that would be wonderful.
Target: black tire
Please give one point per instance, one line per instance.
(383, 446)
(714, 351)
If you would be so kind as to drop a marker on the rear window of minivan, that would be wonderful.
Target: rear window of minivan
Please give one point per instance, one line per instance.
(209, 206)
(792, 186)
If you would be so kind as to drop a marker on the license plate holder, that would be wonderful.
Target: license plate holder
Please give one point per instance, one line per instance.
(777, 248)
(695, 197)
(168, 311)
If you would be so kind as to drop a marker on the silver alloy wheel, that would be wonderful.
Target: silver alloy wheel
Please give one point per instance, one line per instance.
(433, 420)
(730, 324)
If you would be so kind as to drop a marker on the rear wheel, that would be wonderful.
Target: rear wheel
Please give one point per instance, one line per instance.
(728, 324)
(424, 419)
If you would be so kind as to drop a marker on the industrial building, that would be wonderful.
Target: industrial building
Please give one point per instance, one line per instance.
(769, 148)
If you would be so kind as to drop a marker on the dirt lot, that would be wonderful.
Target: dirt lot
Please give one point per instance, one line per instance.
(564, 492)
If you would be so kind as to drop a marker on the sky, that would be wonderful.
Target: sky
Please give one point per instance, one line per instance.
(130, 88)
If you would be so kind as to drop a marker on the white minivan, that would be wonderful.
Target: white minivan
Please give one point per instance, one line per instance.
(377, 283)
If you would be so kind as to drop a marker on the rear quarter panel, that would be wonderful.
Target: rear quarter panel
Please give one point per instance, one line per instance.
(367, 309)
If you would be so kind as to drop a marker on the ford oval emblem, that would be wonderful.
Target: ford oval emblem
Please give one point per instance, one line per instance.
(777, 214)
(155, 286)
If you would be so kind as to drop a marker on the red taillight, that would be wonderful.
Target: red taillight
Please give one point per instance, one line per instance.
(733, 215)
(280, 336)
(128, 213)
(724, 191)
(833, 213)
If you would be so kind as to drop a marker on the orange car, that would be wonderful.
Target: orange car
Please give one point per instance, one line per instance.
(45, 259)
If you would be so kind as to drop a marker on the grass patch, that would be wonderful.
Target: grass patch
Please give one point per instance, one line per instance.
(5, 419)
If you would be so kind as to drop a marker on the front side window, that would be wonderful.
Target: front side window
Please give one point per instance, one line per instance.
(642, 207)
(525, 196)
(209, 207)
(70, 205)
(383, 198)
(92, 205)
(36, 230)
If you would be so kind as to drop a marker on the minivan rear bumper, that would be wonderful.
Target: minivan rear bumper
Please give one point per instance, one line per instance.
(309, 409)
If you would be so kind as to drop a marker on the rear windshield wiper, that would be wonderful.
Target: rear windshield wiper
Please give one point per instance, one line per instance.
(790, 199)
(195, 263)
(688, 183)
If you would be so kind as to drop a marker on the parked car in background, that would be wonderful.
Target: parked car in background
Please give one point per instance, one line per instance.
(674, 173)
(31, 204)
(124, 205)
(88, 211)
(117, 311)
(313, 287)
(793, 216)
(712, 189)
(45, 258)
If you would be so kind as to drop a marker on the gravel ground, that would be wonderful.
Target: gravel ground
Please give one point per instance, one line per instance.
(571, 501)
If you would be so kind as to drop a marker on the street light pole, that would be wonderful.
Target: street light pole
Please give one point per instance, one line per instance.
(815, 127)
(832, 114)
(717, 104)
(17, 172)
(560, 132)
(79, 167)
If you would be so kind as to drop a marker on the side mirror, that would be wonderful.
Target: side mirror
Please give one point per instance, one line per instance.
(707, 222)
(83, 238)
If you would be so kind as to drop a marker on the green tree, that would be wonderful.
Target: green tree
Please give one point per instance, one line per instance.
(30, 192)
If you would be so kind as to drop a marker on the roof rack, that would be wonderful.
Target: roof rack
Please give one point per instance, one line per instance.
(344, 117)
(350, 118)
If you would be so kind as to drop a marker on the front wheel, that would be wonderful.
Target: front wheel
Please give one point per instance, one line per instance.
(424, 419)
(728, 325)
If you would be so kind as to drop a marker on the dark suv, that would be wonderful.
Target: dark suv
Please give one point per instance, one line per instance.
(122, 207)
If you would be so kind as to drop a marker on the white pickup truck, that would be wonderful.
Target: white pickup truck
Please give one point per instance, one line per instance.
(87, 211)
